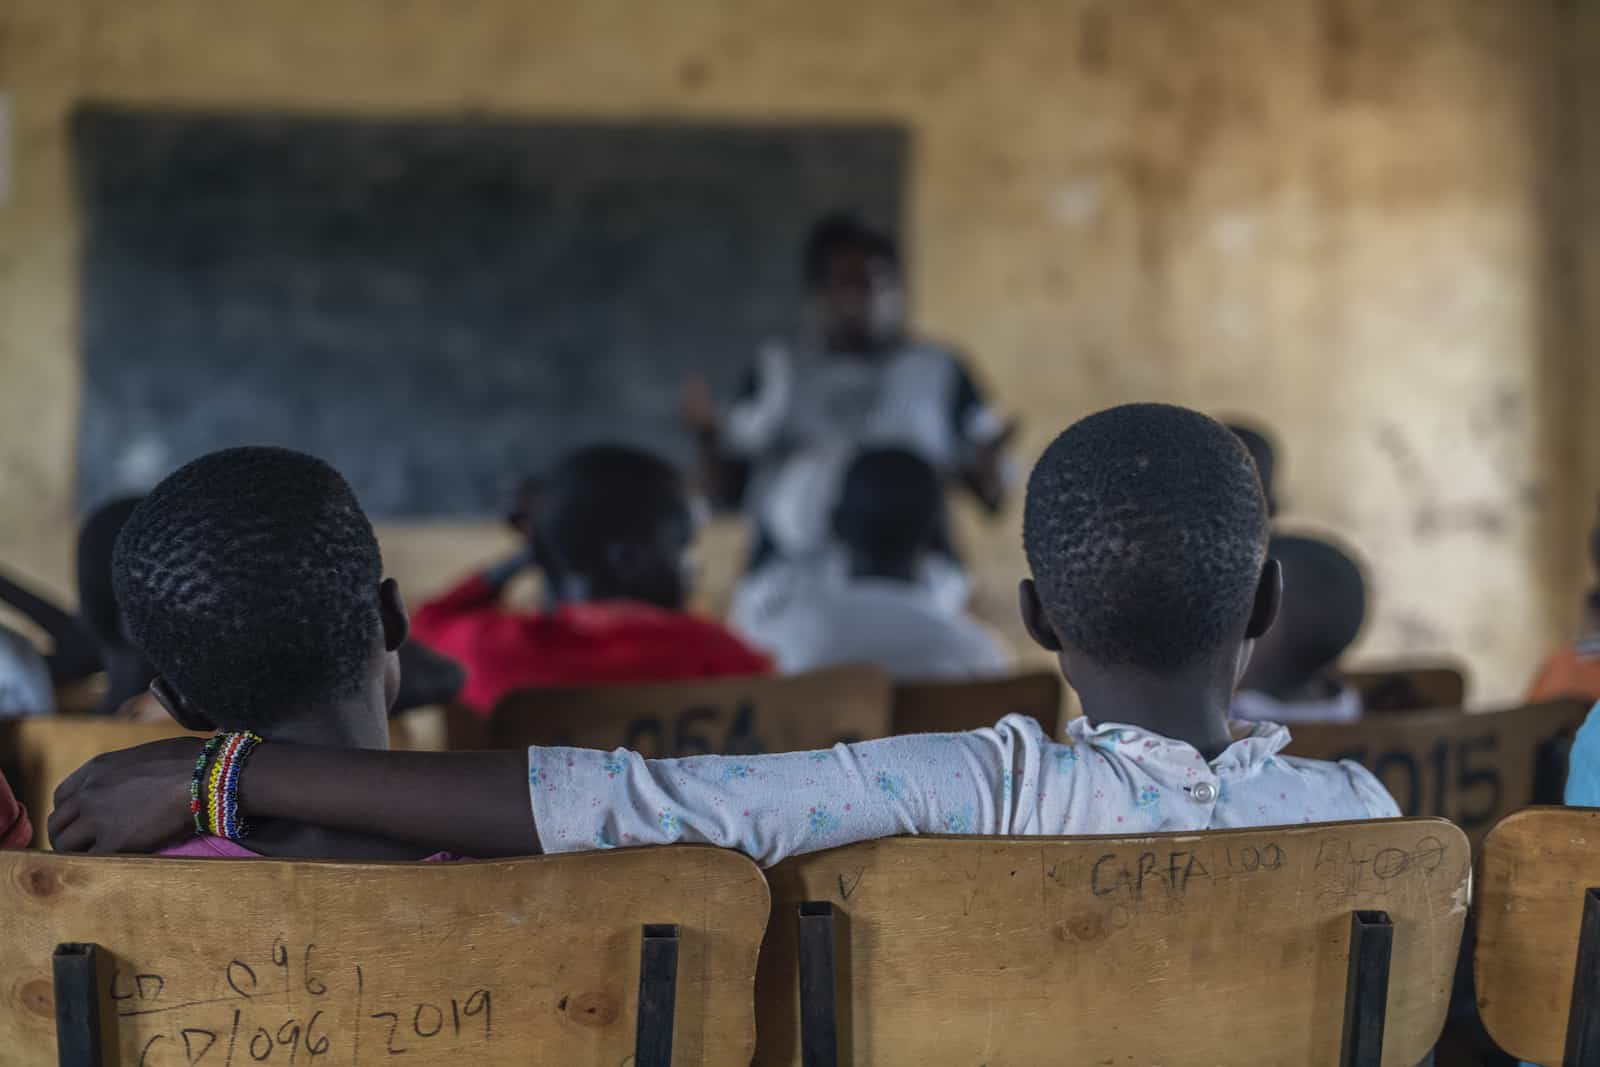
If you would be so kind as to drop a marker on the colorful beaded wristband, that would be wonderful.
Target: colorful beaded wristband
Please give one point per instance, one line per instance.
(235, 754)
(214, 790)
(197, 806)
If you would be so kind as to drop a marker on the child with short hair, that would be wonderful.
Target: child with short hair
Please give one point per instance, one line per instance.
(872, 601)
(611, 531)
(1294, 674)
(1146, 530)
(252, 581)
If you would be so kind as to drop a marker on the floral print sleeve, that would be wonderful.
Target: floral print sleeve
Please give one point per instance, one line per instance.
(774, 806)
(1007, 779)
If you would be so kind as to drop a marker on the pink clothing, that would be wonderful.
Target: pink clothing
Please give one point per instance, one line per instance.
(204, 846)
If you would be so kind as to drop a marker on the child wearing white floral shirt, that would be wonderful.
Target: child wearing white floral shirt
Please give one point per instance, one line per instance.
(1146, 532)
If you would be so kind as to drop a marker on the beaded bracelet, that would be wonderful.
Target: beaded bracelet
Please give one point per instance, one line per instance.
(196, 806)
(214, 789)
(233, 827)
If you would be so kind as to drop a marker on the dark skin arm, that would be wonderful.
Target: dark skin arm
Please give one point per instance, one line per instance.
(471, 803)
(721, 478)
(75, 656)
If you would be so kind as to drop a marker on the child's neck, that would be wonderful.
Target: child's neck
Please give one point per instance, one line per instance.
(1191, 706)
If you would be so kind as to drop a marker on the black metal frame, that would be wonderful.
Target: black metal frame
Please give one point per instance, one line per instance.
(658, 995)
(75, 968)
(1366, 991)
(1583, 1017)
(819, 1026)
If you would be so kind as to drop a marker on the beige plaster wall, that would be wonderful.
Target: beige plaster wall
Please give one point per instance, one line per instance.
(1344, 218)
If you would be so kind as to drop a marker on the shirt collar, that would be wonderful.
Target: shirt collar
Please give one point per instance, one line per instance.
(1254, 743)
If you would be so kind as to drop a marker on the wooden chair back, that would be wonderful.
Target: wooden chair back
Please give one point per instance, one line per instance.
(1471, 769)
(1534, 871)
(1222, 947)
(947, 707)
(730, 716)
(1410, 688)
(273, 961)
(39, 752)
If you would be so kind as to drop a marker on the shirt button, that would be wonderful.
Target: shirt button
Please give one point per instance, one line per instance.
(1205, 792)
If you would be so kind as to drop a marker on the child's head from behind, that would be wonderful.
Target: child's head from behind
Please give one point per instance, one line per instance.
(614, 523)
(889, 511)
(1324, 606)
(252, 581)
(1146, 531)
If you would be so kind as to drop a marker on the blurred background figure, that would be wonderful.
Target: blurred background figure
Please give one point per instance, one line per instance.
(610, 533)
(1265, 453)
(874, 601)
(1574, 670)
(1294, 673)
(857, 379)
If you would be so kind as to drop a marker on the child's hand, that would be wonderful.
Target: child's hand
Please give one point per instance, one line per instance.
(135, 800)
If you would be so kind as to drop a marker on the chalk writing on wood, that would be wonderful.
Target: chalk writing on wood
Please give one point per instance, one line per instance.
(281, 1007)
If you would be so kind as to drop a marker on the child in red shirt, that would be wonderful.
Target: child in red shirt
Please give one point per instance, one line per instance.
(611, 532)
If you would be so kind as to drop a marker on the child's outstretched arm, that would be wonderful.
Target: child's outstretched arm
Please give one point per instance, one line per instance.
(564, 799)
(471, 803)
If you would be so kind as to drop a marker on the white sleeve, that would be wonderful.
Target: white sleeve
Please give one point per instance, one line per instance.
(752, 424)
(775, 806)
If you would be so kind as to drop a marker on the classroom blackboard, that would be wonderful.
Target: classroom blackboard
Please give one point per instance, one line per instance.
(436, 306)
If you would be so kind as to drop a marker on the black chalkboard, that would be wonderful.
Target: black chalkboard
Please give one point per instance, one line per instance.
(436, 306)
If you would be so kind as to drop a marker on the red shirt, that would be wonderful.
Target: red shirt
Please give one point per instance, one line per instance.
(577, 644)
(15, 830)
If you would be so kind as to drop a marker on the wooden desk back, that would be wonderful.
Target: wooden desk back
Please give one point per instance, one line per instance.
(43, 750)
(946, 707)
(732, 716)
(1533, 871)
(1471, 769)
(1413, 688)
(1177, 949)
(494, 963)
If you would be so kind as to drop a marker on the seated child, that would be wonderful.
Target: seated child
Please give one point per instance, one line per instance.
(611, 531)
(15, 829)
(92, 641)
(876, 606)
(25, 687)
(1574, 671)
(1146, 531)
(253, 582)
(1265, 454)
(1294, 674)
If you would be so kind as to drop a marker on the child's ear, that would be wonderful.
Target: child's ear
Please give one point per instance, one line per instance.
(183, 713)
(392, 610)
(1034, 618)
(1269, 598)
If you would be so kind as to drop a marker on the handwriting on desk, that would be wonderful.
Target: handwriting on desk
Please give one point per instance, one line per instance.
(284, 1008)
(1172, 870)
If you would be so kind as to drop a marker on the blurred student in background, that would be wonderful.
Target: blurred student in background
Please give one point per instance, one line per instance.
(611, 531)
(1294, 674)
(1265, 454)
(92, 641)
(856, 380)
(876, 605)
(1574, 670)
(25, 687)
